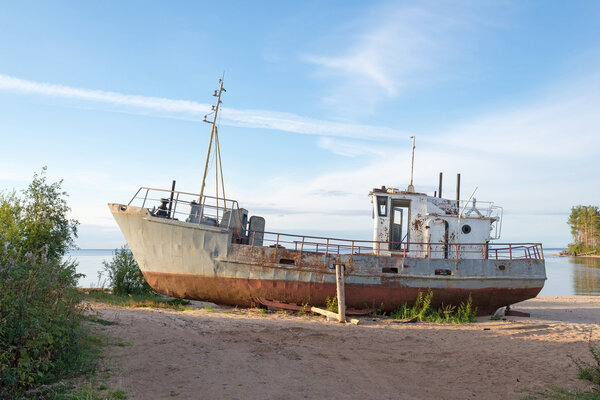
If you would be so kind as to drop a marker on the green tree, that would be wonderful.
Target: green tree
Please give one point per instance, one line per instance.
(39, 314)
(124, 275)
(585, 229)
(38, 219)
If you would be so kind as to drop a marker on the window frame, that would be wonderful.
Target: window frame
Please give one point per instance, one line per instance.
(382, 202)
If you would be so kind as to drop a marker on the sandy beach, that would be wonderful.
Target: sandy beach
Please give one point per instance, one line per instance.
(224, 353)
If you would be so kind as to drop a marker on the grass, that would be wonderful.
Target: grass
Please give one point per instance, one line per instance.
(590, 371)
(562, 394)
(96, 319)
(422, 311)
(135, 300)
(88, 392)
(587, 371)
(69, 388)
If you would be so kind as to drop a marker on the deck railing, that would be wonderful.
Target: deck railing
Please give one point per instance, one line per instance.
(224, 213)
(333, 246)
(187, 206)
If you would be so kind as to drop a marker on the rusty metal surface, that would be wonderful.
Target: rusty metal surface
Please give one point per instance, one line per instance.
(245, 292)
(515, 313)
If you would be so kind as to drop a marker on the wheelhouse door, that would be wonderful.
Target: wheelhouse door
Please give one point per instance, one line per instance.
(396, 237)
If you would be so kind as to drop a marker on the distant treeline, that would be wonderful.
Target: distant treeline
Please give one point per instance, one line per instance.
(585, 228)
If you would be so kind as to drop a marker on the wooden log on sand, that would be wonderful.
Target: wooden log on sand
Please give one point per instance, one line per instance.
(332, 315)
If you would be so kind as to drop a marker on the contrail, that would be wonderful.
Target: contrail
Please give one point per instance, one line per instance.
(184, 109)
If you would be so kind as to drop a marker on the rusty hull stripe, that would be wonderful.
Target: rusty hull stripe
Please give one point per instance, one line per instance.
(244, 292)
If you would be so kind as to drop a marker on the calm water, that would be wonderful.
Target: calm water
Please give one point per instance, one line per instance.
(90, 263)
(566, 276)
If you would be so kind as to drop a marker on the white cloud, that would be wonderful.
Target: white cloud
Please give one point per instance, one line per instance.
(564, 126)
(151, 103)
(347, 148)
(183, 109)
(398, 46)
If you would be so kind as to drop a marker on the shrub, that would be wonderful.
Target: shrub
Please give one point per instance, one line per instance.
(423, 311)
(331, 304)
(124, 275)
(590, 371)
(40, 335)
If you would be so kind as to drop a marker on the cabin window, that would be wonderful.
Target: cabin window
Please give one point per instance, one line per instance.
(382, 206)
(466, 229)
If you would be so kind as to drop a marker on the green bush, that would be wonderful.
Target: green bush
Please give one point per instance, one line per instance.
(40, 333)
(124, 275)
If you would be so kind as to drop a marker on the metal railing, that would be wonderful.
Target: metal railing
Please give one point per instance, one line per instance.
(185, 206)
(333, 246)
(224, 213)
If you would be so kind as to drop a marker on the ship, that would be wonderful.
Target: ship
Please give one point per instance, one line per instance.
(195, 246)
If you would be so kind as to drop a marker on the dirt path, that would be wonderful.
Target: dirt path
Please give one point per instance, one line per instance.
(228, 354)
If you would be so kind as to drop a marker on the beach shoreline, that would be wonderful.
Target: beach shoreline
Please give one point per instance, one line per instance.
(222, 352)
(576, 256)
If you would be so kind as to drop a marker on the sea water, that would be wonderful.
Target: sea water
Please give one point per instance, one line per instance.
(89, 263)
(567, 276)
(571, 276)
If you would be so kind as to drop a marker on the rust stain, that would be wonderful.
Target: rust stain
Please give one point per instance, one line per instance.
(244, 292)
(417, 224)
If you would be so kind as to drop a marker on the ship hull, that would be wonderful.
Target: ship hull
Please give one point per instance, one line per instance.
(245, 292)
(196, 262)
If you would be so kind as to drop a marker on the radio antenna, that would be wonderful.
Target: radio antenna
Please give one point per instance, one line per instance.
(411, 188)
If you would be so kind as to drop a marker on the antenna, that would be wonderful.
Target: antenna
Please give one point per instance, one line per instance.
(411, 188)
(214, 137)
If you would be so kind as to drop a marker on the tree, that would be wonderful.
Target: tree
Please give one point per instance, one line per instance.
(39, 314)
(585, 228)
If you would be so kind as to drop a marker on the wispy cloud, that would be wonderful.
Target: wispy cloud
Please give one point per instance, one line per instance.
(397, 46)
(184, 109)
(151, 103)
(347, 148)
(562, 123)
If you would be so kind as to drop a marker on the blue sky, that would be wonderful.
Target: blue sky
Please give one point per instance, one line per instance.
(321, 100)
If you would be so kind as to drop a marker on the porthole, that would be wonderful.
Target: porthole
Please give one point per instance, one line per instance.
(466, 229)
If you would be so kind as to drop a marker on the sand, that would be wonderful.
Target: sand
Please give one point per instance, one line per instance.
(243, 354)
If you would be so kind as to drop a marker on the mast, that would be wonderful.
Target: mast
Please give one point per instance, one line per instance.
(214, 137)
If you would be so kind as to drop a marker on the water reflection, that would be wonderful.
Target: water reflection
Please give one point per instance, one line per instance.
(586, 275)
(568, 276)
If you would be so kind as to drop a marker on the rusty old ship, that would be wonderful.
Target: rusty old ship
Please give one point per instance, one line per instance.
(202, 247)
